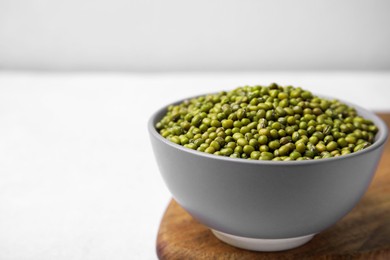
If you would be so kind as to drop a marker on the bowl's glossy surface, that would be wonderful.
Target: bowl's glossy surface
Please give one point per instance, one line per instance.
(266, 200)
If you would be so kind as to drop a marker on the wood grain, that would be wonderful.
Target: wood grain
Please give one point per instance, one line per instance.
(363, 234)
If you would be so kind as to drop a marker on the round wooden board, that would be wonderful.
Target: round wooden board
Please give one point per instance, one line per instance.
(363, 234)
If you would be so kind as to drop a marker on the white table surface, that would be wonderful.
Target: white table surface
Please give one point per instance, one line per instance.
(78, 179)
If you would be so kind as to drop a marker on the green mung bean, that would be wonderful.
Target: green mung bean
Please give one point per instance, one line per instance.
(267, 123)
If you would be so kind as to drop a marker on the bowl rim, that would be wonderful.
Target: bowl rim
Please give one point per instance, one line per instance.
(380, 138)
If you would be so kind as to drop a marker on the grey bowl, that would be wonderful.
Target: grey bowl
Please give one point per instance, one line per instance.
(266, 205)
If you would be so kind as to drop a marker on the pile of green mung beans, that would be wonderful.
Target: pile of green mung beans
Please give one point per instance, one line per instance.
(267, 123)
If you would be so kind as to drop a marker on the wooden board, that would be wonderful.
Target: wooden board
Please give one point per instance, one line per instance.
(363, 234)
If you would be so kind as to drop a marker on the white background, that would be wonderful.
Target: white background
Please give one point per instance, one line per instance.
(153, 35)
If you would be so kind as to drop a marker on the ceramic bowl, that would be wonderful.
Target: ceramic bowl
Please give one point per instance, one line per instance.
(266, 205)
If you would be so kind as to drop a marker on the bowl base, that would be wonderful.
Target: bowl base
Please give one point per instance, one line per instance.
(259, 244)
